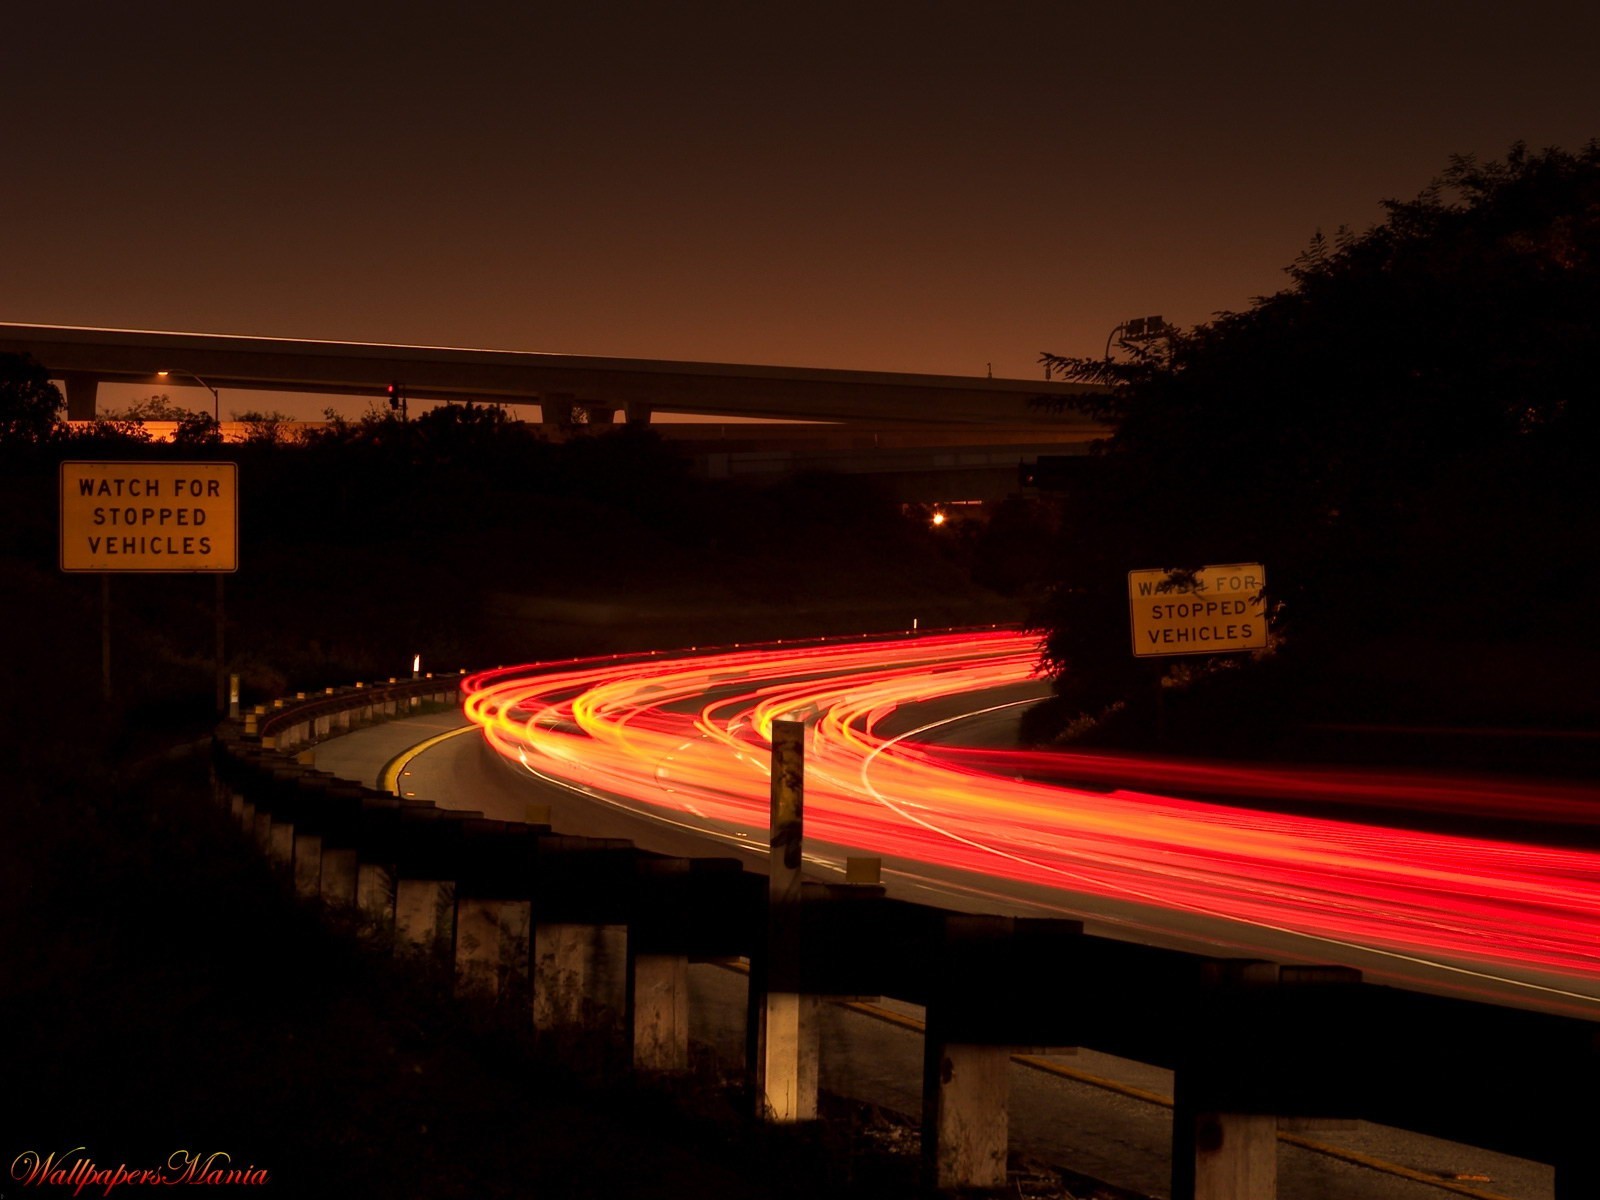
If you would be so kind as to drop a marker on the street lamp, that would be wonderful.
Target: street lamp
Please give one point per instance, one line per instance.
(216, 401)
(1139, 329)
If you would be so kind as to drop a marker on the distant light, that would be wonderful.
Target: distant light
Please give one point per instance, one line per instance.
(162, 374)
(939, 519)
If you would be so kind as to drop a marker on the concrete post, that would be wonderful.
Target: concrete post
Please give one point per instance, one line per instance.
(280, 843)
(492, 947)
(579, 976)
(1226, 1098)
(340, 871)
(307, 851)
(965, 1113)
(658, 1012)
(247, 817)
(1231, 1156)
(263, 830)
(375, 893)
(424, 913)
(236, 807)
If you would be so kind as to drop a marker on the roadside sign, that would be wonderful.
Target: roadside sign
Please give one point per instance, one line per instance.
(1221, 609)
(150, 517)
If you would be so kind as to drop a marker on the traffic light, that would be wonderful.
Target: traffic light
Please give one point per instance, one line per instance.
(397, 397)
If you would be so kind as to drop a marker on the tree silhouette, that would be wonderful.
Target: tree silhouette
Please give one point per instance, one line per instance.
(1403, 435)
(30, 405)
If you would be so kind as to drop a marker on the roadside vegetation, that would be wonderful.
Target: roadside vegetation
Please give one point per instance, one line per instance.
(1405, 438)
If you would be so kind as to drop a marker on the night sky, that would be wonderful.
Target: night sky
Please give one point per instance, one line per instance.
(867, 185)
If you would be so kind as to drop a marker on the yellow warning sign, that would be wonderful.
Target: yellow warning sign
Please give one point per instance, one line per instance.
(143, 516)
(1221, 609)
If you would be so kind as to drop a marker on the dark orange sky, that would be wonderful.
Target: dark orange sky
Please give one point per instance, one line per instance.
(870, 185)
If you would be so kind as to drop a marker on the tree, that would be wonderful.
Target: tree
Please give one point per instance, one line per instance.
(1403, 435)
(30, 405)
(153, 408)
(196, 430)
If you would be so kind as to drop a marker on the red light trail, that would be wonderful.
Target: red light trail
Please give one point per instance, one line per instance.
(689, 735)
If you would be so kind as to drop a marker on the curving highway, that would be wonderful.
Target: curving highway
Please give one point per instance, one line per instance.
(1169, 851)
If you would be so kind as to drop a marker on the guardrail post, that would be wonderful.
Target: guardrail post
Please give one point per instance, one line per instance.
(966, 1080)
(579, 980)
(494, 912)
(1223, 1148)
(341, 856)
(1254, 1028)
(681, 910)
(375, 893)
(658, 1007)
(424, 913)
(581, 941)
(784, 1024)
(307, 856)
(492, 938)
(966, 1098)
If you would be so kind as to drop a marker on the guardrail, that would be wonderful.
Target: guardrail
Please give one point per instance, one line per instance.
(592, 938)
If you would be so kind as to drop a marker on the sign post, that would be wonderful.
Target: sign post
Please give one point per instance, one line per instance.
(149, 518)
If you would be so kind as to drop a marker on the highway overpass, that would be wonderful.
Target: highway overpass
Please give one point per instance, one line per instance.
(562, 384)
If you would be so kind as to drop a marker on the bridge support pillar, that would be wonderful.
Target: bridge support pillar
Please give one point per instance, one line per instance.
(424, 912)
(966, 1091)
(556, 409)
(637, 412)
(307, 852)
(658, 1012)
(340, 870)
(81, 393)
(492, 947)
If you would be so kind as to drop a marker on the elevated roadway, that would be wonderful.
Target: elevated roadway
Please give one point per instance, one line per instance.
(561, 384)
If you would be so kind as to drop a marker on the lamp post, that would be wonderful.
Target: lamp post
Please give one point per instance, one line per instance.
(216, 401)
(1139, 329)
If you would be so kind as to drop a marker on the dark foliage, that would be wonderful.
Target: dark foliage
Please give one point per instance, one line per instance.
(30, 405)
(1403, 436)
